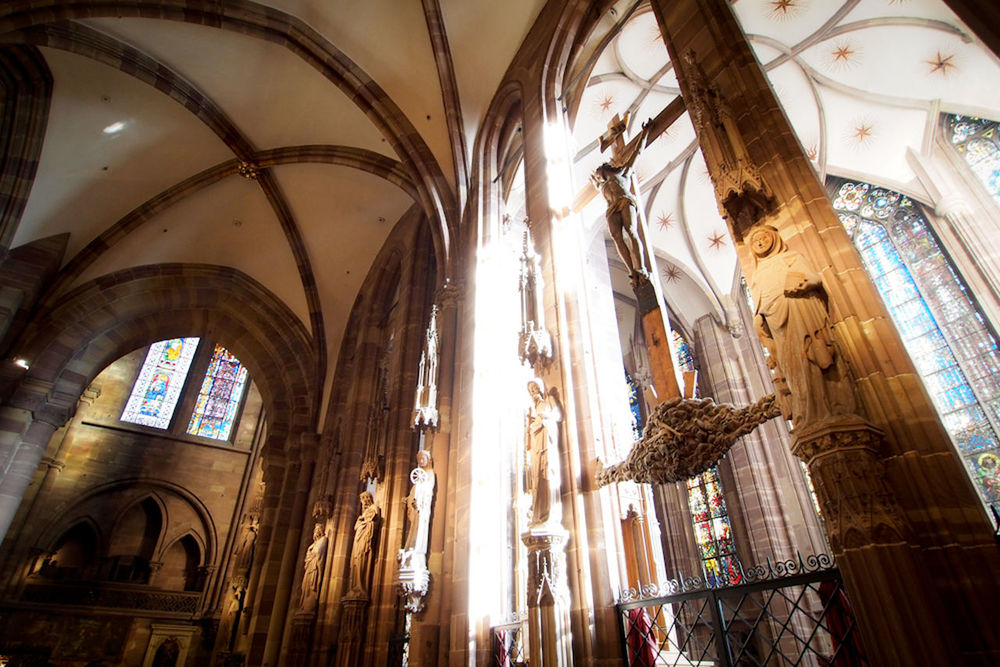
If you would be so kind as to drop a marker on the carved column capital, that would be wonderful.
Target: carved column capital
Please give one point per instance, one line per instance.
(448, 295)
(546, 568)
(850, 480)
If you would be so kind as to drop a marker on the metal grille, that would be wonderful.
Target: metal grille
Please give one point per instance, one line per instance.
(509, 647)
(791, 619)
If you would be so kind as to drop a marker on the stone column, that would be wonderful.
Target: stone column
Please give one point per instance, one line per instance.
(942, 528)
(548, 599)
(30, 419)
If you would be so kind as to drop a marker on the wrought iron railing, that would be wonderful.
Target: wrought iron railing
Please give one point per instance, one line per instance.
(509, 646)
(792, 612)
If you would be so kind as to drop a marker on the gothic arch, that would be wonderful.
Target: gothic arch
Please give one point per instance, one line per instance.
(144, 488)
(99, 321)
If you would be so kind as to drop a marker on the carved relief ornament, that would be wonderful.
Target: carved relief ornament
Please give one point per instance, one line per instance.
(744, 197)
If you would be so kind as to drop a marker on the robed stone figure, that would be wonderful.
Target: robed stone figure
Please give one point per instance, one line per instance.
(365, 527)
(793, 322)
(542, 445)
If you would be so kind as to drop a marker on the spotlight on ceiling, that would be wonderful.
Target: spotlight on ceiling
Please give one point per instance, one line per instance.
(114, 128)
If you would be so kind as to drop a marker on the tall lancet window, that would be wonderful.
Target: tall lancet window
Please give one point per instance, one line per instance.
(953, 349)
(712, 530)
(976, 140)
(219, 396)
(160, 381)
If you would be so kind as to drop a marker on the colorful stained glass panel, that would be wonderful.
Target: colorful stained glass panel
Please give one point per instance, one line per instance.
(954, 352)
(158, 386)
(219, 397)
(976, 139)
(712, 530)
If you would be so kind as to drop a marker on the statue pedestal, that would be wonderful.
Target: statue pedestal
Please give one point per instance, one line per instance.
(413, 579)
(868, 535)
(548, 597)
(352, 625)
(302, 628)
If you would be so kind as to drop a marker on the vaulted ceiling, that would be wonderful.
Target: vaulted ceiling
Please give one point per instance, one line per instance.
(863, 83)
(361, 110)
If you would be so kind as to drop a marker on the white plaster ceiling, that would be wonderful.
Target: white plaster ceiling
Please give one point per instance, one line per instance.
(274, 98)
(860, 81)
(271, 97)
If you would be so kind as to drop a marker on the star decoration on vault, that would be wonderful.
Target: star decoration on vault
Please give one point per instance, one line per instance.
(812, 152)
(862, 132)
(842, 53)
(942, 64)
(783, 8)
(716, 241)
(671, 273)
(665, 220)
(606, 103)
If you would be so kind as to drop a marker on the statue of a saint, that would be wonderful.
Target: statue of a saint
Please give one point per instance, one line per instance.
(792, 320)
(315, 558)
(364, 545)
(418, 507)
(243, 556)
(542, 440)
(613, 179)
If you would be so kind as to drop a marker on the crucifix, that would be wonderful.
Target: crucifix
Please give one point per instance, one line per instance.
(613, 179)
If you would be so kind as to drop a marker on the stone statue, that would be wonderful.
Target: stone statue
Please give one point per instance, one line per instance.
(243, 556)
(613, 180)
(792, 320)
(418, 506)
(364, 545)
(542, 440)
(311, 579)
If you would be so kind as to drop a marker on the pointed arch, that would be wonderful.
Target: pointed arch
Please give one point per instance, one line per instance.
(96, 323)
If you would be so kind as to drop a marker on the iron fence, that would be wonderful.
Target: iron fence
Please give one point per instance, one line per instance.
(509, 648)
(791, 612)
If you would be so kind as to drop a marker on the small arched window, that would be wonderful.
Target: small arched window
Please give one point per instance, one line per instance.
(160, 381)
(163, 379)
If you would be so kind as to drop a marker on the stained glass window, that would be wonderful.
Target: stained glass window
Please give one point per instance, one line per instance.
(684, 358)
(158, 386)
(634, 407)
(954, 351)
(976, 140)
(712, 530)
(219, 397)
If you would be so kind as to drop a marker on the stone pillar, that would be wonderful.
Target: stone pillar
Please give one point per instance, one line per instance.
(944, 529)
(548, 600)
(768, 500)
(30, 419)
